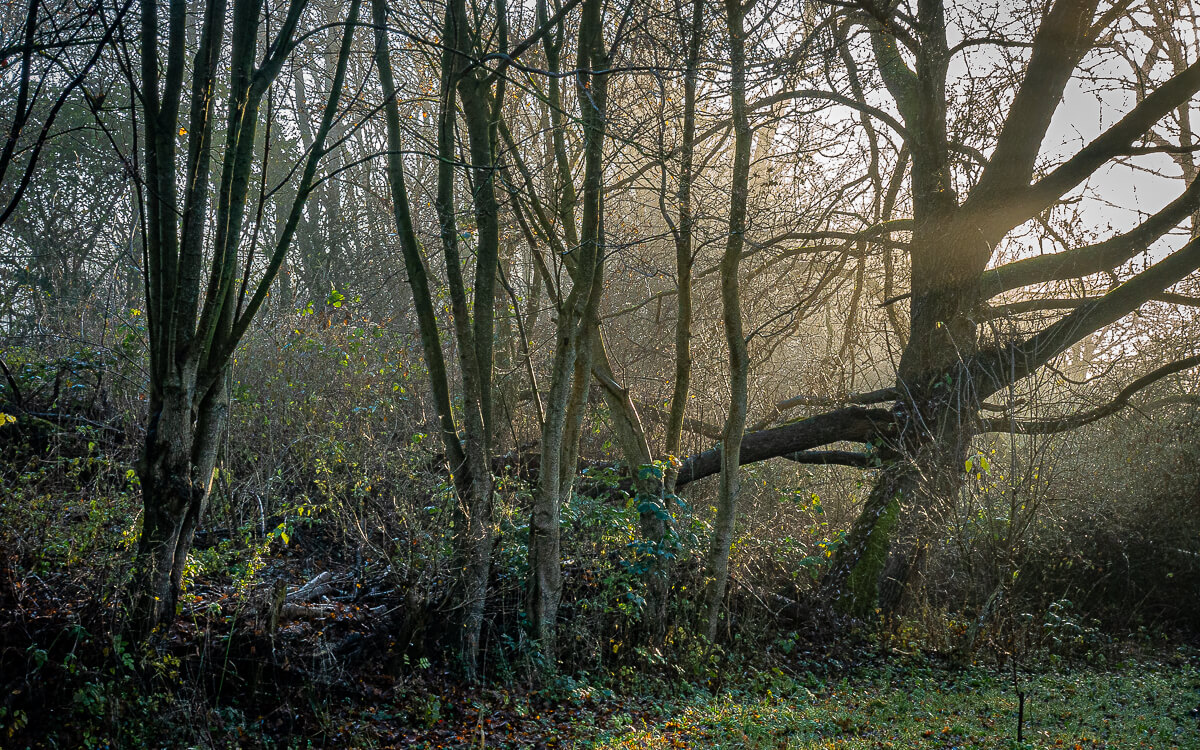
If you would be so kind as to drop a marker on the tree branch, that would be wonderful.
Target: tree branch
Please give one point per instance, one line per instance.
(859, 399)
(1060, 303)
(1058, 45)
(831, 458)
(996, 369)
(1081, 418)
(1003, 210)
(852, 423)
(1102, 256)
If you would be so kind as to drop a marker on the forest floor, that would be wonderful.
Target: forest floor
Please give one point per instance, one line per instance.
(190, 695)
(237, 671)
(1137, 704)
(222, 678)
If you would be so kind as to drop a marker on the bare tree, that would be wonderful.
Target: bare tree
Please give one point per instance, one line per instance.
(717, 564)
(964, 204)
(201, 294)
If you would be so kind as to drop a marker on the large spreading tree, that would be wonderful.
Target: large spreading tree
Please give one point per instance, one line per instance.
(972, 184)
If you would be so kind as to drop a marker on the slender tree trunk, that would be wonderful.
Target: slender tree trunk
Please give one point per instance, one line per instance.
(476, 353)
(477, 115)
(212, 420)
(474, 335)
(683, 255)
(731, 308)
(194, 326)
(566, 405)
(545, 569)
(566, 400)
(414, 262)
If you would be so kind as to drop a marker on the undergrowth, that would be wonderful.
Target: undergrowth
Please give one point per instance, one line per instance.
(362, 506)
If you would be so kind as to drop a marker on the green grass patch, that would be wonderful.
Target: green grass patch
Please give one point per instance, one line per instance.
(1138, 705)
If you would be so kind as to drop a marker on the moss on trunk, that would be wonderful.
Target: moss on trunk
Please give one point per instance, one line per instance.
(862, 586)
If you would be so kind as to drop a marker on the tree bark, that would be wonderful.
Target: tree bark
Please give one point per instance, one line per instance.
(717, 564)
(683, 235)
(473, 532)
(175, 472)
(570, 377)
(194, 326)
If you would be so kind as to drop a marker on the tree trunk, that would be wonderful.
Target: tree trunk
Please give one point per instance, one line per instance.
(872, 569)
(566, 401)
(195, 323)
(922, 476)
(717, 566)
(545, 568)
(683, 235)
(175, 473)
(211, 422)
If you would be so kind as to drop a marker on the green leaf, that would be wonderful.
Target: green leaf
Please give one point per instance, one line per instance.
(649, 471)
